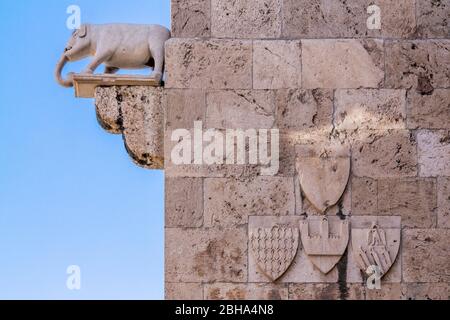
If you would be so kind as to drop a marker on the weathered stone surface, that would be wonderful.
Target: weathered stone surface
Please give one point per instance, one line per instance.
(410, 291)
(324, 240)
(277, 64)
(108, 109)
(301, 269)
(385, 154)
(299, 109)
(390, 224)
(426, 256)
(434, 153)
(142, 113)
(368, 109)
(364, 196)
(443, 200)
(325, 291)
(274, 249)
(422, 65)
(206, 255)
(192, 170)
(433, 19)
(388, 291)
(184, 202)
(323, 180)
(427, 291)
(342, 63)
(183, 291)
(246, 18)
(191, 18)
(240, 109)
(429, 111)
(412, 199)
(216, 64)
(229, 202)
(230, 291)
(344, 19)
(184, 107)
(318, 148)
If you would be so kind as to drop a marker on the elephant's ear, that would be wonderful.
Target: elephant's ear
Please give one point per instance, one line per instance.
(83, 31)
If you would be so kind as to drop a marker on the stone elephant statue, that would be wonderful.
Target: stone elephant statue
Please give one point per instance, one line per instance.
(117, 46)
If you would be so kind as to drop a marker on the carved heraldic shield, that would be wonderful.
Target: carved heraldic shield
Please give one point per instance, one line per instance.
(274, 249)
(375, 247)
(324, 240)
(323, 179)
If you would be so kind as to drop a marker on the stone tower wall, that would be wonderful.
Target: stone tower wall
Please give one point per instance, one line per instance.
(313, 70)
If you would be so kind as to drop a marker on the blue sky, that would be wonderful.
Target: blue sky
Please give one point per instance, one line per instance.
(69, 194)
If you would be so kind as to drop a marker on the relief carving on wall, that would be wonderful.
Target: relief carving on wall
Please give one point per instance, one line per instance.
(376, 247)
(323, 179)
(274, 249)
(325, 240)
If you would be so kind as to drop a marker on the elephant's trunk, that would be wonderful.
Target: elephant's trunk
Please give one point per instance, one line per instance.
(60, 66)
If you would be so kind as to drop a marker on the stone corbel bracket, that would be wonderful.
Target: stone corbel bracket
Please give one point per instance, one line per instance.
(136, 112)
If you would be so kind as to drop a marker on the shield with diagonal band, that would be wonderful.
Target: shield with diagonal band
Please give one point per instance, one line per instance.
(323, 179)
(274, 249)
(376, 247)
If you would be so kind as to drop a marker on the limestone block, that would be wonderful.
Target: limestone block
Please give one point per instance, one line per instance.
(369, 109)
(300, 270)
(364, 196)
(252, 291)
(138, 113)
(246, 18)
(184, 107)
(432, 19)
(443, 200)
(184, 202)
(211, 64)
(230, 202)
(342, 63)
(326, 291)
(203, 170)
(434, 153)
(206, 255)
(108, 109)
(240, 109)
(305, 110)
(360, 226)
(412, 199)
(183, 291)
(426, 255)
(388, 291)
(143, 124)
(346, 19)
(429, 111)
(422, 65)
(277, 64)
(427, 291)
(385, 154)
(191, 18)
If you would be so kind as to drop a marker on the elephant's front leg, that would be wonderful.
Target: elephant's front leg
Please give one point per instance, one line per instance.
(96, 62)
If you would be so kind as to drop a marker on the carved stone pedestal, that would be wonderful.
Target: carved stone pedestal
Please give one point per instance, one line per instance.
(136, 112)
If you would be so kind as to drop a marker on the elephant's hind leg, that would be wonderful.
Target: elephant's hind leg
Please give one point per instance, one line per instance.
(158, 57)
